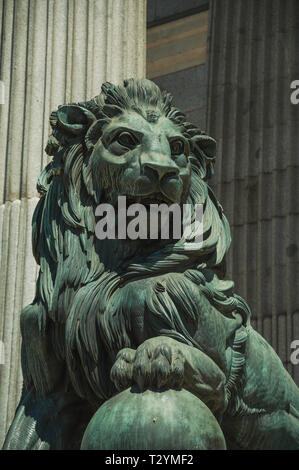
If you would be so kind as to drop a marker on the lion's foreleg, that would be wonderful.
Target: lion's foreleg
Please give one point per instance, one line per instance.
(268, 431)
(204, 378)
(267, 383)
(268, 416)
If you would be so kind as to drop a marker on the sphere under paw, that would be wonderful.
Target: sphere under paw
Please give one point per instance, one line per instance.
(150, 420)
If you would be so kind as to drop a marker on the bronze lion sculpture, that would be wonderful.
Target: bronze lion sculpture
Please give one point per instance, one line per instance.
(114, 313)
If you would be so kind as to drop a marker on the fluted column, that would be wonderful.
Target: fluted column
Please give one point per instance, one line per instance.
(253, 60)
(52, 52)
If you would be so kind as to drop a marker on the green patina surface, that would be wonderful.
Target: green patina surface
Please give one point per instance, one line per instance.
(153, 314)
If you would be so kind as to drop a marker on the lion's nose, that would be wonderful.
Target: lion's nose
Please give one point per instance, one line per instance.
(162, 170)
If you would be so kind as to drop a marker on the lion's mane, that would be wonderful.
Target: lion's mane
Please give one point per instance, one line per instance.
(70, 329)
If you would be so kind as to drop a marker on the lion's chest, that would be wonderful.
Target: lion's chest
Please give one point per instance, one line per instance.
(163, 304)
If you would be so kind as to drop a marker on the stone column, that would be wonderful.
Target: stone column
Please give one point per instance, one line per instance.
(253, 60)
(52, 52)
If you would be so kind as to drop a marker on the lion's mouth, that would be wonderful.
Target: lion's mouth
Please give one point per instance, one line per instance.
(155, 198)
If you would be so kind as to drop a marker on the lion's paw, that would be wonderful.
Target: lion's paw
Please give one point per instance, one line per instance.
(157, 363)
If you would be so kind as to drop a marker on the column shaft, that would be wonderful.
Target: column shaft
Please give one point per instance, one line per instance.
(253, 60)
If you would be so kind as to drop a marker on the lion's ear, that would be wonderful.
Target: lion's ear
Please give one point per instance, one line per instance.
(207, 144)
(69, 125)
(204, 147)
(200, 139)
(74, 119)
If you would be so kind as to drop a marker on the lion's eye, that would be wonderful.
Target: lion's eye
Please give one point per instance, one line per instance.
(126, 140)
(177, 147)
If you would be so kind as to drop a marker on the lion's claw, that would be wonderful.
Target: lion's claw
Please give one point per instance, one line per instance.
(157, 363)
(122, 371)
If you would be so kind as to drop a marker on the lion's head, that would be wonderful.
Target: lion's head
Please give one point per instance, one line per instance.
(130, 140)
